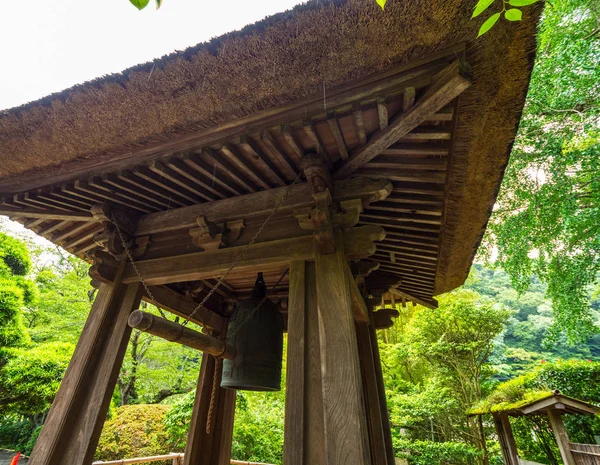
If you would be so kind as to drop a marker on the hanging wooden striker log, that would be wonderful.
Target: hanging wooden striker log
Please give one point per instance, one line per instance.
(175, 332)
(257, 335)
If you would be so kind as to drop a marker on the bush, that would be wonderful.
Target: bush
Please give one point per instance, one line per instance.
(14, 434)
(135, 431)
(177, 421)
(31, 377)
(15, 255)
(436, 453)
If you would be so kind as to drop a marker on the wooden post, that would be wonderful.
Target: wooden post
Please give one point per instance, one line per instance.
(561, 435)
(507, 439)
(214, 447)
(380, 438)
(346, 438)
(304, 442)
(71, 432)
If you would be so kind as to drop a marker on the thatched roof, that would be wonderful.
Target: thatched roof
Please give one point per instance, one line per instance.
(156, 109)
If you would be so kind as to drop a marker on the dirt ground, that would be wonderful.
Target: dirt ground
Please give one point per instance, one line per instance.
(6, 457)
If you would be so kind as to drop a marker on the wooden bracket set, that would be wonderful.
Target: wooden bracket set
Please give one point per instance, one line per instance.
(213, 236)
(110, 240)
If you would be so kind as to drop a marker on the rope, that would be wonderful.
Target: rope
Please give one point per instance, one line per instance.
(213, 394)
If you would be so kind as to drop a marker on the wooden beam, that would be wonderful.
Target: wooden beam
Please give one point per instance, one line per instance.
(562, 437)
(425, 303)
(71, 432)
(48, 214)
(183, 306)
(346, 436)
(358, 243)
(507, 439)
(446, 86)
(334, 126)
(359, 308)
(174, 332)
(212, 445)
(304, 431)
(258, 204)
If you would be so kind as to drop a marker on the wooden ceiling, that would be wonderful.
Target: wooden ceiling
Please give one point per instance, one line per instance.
(266, 153)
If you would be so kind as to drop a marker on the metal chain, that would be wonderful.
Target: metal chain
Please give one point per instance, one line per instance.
(244, 250)
(134, 265)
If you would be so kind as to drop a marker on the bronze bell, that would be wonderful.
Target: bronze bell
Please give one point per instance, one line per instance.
(258, 339)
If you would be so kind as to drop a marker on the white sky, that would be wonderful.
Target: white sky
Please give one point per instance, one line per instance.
(50, 45)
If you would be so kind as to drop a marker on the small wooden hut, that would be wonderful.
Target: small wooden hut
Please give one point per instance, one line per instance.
(554, 405)
(393, 129)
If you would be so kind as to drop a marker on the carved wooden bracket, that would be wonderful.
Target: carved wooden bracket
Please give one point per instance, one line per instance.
(104, 268)
(213, 236)
(109, 237)
(325, 217)
(382, 319)
(363, 268)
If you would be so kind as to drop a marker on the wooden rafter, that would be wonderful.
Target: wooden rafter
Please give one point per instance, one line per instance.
(446, 86)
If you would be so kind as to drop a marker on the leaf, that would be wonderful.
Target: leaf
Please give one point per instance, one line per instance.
(522, 2)
(514, 14)
(140, 4)
(481, 6)
(487, 25)
(381, 3)
(158, 4)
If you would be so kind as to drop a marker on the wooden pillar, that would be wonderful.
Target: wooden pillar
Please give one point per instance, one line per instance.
(561, 435)
(506, 438)
(71, 432)
(304, 441)
(214, 447)
(325, 412)
(346, 437)
(380, 438)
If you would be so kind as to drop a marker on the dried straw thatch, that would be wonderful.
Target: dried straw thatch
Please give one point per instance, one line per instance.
(283, 58)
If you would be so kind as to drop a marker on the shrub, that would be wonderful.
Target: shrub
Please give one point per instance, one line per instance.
(436, 453)
(31, 377)
(135, 431)
(15, 433)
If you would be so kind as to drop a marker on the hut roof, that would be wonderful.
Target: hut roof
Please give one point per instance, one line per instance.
(272, 87)
(538, 402)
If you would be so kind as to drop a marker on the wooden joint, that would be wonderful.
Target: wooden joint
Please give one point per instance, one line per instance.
(104, 268)
(382, 319)
(118, 232)
(213, 236)
(359, 242)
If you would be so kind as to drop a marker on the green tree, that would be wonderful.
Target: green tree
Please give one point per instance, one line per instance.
(547, 220)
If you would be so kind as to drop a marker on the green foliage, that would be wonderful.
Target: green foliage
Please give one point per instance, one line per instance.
(177, 421)
(548, 213)
(258, 428)
(135, 431)
(31, 377)
(15, 255)
(141, 4)
(16, 433)
(436, 453)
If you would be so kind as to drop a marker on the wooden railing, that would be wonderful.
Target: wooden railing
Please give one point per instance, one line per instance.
(586, 454)
(177, 459)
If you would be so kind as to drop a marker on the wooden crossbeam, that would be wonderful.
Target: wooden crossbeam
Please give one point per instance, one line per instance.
(47, 214)
(209, 264)
(445, 87)
(183, 306)
(256, 205)
(426, 303)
